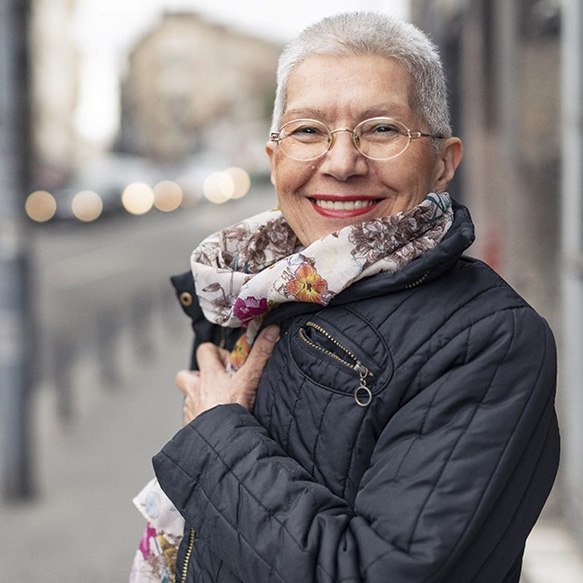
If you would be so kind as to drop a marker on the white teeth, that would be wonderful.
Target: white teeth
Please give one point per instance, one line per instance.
(347, 205)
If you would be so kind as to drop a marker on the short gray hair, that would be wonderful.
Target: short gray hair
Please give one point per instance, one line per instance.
(372, 33)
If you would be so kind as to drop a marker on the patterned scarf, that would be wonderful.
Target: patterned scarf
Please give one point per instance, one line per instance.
(249, 268)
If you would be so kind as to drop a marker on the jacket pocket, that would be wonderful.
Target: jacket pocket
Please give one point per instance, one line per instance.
(334, 361)
(321, 340)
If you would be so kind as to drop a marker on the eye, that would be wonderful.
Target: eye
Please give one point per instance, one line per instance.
(306, 131)
(385, 128)
(380, 130)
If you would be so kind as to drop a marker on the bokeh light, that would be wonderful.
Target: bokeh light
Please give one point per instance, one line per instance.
(241, 182)
(40, 206)
(168, 196)
(137, 198)
(218, 187)
(87, 206)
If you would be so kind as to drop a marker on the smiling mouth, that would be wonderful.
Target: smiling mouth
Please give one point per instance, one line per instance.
(343, 205)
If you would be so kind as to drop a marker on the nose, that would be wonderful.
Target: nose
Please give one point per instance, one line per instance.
(343, 160)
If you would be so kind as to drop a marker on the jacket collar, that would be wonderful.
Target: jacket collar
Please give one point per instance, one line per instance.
(425, 268)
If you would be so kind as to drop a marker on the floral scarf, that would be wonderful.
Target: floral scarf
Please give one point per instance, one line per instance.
(249, 268)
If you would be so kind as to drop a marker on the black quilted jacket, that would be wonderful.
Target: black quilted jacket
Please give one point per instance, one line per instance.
(404, 434)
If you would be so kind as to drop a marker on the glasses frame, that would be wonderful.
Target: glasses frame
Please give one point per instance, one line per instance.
(403, 130)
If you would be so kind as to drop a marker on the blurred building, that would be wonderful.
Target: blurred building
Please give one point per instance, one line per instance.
(192, 85)
(503, 61)
(55, 70)
(506, 65)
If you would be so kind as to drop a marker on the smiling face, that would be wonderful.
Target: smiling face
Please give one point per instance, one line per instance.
(342, 187)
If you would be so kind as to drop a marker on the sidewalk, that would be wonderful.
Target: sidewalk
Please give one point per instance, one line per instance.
(552, 555)
(83, 525)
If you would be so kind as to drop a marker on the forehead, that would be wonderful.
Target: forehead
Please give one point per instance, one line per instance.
(349, 84)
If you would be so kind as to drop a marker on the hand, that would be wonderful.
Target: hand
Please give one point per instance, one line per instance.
(212, 385)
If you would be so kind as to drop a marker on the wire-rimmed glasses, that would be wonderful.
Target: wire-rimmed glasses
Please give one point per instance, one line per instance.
(377, 138)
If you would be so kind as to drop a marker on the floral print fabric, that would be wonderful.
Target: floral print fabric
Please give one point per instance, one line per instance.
(245, 270)
(155, 559)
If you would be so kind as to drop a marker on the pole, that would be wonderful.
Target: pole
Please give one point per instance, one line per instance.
(15, 322)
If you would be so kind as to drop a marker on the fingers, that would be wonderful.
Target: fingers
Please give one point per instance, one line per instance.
(246, 379)
(225, 356)
(210, 357)
(185, 380)
(212, 385)
(260, 353)
(264, 344)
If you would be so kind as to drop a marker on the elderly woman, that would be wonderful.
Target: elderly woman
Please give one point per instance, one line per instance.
(393, 420)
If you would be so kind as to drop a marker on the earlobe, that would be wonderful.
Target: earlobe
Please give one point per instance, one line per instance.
(450, 157)
(270, 151)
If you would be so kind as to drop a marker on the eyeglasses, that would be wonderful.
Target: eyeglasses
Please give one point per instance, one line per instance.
(377, 138)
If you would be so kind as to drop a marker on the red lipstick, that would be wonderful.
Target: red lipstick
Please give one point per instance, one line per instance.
(339, 207)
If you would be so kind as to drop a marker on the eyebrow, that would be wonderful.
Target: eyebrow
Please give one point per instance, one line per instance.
(380, 110)
(303, 111)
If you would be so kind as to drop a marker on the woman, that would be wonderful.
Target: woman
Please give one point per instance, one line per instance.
(402, 428)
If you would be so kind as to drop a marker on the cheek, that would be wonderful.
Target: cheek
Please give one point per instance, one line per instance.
(288, 175)
(416, 176)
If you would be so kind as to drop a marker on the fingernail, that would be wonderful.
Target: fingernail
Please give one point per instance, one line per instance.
(271, 333)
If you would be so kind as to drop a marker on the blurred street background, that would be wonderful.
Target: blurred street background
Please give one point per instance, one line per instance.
(129, 131)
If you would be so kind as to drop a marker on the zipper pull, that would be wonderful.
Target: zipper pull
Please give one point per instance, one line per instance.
(362, 395)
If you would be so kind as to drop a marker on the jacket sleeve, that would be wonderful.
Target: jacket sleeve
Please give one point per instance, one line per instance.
(458, 476)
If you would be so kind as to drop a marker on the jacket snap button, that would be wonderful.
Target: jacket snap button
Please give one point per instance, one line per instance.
(186, 299)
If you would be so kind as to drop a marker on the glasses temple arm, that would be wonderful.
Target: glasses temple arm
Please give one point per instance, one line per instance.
(426, 135)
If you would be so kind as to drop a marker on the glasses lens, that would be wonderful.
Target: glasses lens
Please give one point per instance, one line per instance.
(381, 138)
(304, 139)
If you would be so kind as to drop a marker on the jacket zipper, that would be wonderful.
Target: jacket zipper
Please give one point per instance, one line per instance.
(185, 564)
(362, 394)
(418, 281)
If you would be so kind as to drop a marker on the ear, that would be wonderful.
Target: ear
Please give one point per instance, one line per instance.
(270, 151)
(449, 158)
